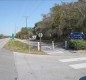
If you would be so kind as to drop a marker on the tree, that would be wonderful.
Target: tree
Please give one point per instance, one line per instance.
(24, 33)
(62, 20)
(1, 36)
(82, 0)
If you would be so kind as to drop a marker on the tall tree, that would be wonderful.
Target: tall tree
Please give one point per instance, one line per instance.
(24, 33)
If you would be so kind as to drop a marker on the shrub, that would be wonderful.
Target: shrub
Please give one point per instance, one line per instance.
(77, 44)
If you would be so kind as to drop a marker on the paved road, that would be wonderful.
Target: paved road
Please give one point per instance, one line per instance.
(3, 42)
(7, 63)
(48, 67)
(58, 65)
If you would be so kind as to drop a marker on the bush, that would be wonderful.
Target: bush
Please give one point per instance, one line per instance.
(77, 44)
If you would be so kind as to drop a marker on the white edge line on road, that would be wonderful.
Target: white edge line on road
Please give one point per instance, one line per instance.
(73, 59)
(78, 66)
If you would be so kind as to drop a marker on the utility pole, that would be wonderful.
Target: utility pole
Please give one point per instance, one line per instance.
(26, 17)
(15, 30)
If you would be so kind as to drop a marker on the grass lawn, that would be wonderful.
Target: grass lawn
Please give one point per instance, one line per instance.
(17, 46)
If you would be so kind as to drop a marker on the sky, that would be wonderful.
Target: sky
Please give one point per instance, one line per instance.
(13, 12)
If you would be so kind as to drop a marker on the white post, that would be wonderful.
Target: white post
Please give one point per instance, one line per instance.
(65, 44)
(29, 45)
(38, 46)
(52, 44)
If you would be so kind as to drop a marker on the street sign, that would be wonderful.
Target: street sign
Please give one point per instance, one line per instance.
(12, 36)
(40, 35)
(77, 35)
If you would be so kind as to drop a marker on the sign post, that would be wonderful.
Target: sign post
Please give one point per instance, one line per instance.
(40, 35)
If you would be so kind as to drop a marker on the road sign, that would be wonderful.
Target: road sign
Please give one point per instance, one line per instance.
(40, 35)
(12, 37)
(77, 35)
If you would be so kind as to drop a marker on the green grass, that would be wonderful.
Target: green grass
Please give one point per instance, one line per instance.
(17, 46)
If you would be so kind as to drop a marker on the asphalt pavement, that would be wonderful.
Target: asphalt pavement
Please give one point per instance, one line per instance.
(7, 63)
(3, 42)
(59, 64)
(48, 67)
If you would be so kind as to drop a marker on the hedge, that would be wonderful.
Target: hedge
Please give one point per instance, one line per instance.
(77, 44)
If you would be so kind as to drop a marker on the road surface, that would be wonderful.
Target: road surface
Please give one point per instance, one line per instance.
(7, 63)
(58, 65)
(55, 66)
(3, 42)
(48, 67)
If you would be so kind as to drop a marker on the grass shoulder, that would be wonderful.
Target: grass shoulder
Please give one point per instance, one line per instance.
(17, 46)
